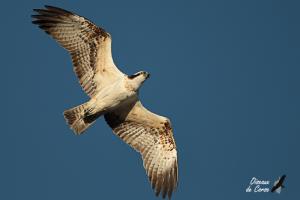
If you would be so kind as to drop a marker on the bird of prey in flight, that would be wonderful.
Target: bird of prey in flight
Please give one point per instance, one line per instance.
(278, 184)
(113, 94)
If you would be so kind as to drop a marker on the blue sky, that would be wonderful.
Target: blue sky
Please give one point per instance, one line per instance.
(225, 72)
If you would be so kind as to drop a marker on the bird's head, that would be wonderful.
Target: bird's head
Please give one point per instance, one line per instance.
(138, 78)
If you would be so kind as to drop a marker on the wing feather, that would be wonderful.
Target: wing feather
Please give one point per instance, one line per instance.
(152, 136)
(88, 45)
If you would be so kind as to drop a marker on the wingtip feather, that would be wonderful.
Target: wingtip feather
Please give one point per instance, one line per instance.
(57, 9)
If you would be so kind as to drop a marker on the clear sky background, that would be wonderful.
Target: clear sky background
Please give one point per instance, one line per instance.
(225, 72)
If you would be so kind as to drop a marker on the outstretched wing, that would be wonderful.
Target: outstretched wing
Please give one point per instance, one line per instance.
(281, 180)
(275, 186)
(152, 136)
(88, 45)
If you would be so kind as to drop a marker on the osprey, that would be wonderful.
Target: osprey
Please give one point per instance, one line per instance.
(113, 94)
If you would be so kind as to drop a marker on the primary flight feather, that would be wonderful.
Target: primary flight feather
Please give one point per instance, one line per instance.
(112, 94)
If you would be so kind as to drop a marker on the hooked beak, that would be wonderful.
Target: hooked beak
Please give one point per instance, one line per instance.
(147, 76)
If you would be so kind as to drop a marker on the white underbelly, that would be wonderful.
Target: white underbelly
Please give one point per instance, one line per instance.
(112, 97)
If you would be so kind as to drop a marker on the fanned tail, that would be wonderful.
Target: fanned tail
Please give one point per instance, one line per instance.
(78, 118)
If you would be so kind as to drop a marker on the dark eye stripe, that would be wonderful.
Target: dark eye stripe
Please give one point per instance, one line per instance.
(133, 76)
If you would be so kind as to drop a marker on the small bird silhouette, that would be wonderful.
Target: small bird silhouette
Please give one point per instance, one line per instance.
(278, 185)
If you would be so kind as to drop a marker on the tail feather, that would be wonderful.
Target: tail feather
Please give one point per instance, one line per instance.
(76, 118)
